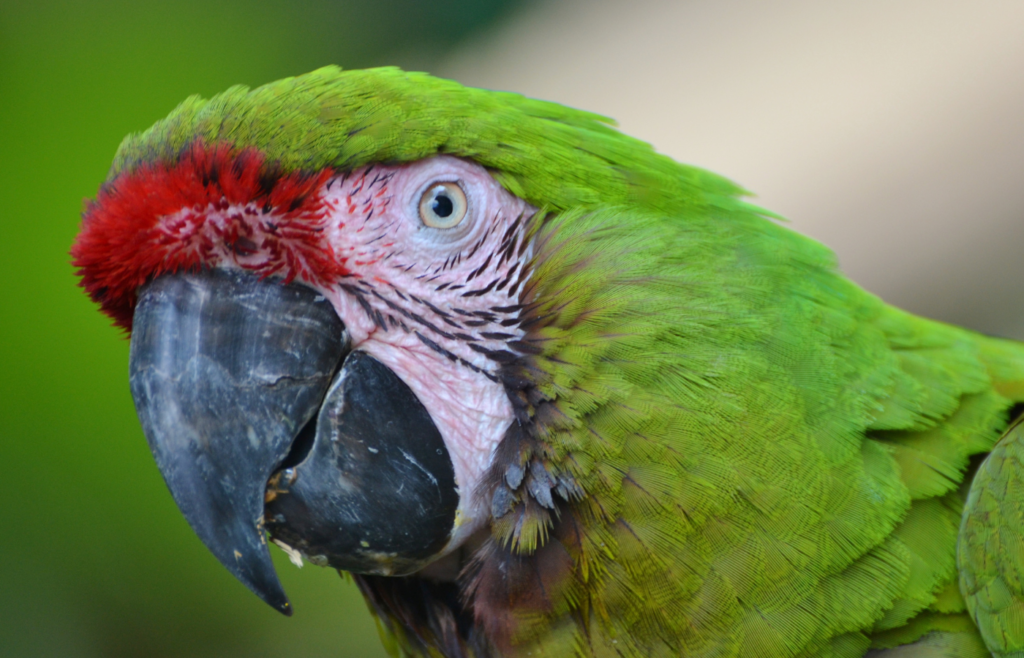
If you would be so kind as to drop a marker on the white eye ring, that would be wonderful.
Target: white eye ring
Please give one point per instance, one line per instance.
(443, 205)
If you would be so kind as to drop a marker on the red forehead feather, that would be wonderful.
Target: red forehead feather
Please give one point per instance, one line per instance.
(127, 239)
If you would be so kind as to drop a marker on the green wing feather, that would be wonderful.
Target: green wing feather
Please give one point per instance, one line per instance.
(773, 463)
(991, 552)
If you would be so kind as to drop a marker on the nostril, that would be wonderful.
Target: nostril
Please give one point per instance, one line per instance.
(242, 246)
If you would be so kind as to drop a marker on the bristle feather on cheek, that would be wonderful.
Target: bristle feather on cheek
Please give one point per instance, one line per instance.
(214, 203)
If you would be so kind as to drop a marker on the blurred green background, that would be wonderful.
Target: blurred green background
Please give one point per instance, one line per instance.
(95, 560)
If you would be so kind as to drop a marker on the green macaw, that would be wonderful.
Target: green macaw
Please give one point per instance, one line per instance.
(543, 391)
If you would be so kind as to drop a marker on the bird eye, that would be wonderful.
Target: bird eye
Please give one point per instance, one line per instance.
(443, 205)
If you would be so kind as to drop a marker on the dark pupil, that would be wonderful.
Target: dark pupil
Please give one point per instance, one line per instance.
(443, 205)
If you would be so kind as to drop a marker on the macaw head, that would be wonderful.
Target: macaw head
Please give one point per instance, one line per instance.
(331, 284)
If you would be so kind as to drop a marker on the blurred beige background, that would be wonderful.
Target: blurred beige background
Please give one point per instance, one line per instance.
(891, 131)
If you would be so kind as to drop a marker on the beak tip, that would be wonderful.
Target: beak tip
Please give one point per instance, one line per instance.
(256, 571)
(275, 597)
(278, 601)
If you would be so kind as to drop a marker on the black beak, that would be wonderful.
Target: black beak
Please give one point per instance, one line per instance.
(225, 371)
(250, 410)
(375, 490)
